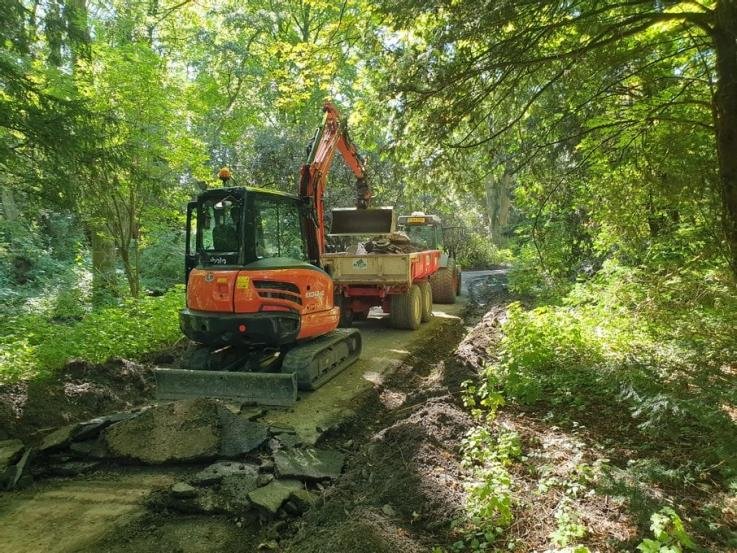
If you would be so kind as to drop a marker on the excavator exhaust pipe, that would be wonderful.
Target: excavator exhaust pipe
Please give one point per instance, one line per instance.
(347, 221)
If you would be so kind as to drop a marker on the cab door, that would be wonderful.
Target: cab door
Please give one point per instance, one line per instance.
(190, 255)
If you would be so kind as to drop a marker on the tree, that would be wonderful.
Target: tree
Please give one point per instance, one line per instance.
(477, 72)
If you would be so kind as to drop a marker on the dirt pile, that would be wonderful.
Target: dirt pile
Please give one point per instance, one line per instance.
(80, 390)
(403, 487)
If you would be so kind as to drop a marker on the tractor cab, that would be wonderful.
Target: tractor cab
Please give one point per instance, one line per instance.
(423, 230)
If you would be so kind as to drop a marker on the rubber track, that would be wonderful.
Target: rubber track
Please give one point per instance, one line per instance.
(314, 362)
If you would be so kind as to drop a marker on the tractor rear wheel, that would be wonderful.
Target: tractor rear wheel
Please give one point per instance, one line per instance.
(406, 309)
(426, 291)
(444, 285)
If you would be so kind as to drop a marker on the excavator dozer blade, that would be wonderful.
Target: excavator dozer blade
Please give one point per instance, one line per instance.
(278, 389)
(369, 221)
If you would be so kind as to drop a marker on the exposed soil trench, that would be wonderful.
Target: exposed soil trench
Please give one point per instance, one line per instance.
(400, 489)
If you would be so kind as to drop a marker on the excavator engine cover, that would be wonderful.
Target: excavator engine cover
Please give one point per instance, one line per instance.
(370, 221)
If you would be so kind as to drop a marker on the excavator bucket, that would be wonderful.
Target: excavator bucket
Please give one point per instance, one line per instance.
(370, 221)
(261, 388)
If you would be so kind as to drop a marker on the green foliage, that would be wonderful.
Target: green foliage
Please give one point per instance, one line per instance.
(162, 259)
(490, 502)
(568, 527)
(655, 344)
(32, 345)
(477, 251)
(669, 532)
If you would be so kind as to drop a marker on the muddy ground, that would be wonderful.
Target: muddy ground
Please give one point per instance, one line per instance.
(79, 391)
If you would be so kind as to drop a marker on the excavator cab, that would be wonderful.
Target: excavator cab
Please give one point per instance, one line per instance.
(237, 226)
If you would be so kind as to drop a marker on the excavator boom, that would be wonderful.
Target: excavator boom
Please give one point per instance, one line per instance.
(333, 135)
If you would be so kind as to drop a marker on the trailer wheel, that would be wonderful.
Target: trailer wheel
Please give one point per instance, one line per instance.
(346, 315)
(444, 285)
(426, 291)
(406, 310)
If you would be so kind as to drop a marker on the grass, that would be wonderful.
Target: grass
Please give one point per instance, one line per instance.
(35, 345)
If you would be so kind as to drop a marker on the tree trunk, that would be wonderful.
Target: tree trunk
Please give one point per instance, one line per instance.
(131, 268)
(498, 205)
(10, 209)
(725, 118)
(104, 278)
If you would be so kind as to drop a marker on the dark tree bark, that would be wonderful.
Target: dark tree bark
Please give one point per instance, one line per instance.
(725, 117)
(104, 277)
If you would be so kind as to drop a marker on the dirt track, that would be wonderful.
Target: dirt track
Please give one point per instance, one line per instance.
(106, 510)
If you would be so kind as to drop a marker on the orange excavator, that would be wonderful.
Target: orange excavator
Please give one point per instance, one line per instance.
(261, 311)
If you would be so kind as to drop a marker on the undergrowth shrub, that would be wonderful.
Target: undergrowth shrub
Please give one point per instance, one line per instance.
(658, 348)
(478, 252)
(33, 345)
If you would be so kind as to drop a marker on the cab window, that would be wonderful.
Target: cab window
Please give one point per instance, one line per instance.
(278, 230)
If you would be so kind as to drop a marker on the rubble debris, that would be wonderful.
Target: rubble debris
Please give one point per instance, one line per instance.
(236, 487)
(396, 242)
(18, 476)
(175, 432)
(267, 465)
(303, 500)
(91, 429)
(273, 495)
(315, 464)
(59, 438)
(221, 469)
(239, 434)
(289, 440)
(182, 490)
(10, 452)
(94, 449)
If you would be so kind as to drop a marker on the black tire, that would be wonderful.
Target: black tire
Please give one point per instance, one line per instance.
(444, 285)
(406, 309)
(426, 291)
(346, 315)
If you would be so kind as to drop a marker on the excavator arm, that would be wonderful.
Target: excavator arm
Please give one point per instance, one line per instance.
(331, 135)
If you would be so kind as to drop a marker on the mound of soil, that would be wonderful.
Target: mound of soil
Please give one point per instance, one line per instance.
(79, 391)
(403, 487)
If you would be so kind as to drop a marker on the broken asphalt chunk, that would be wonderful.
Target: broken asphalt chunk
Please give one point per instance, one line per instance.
(239, 435)
(273, 495)
(314, 464)
(217, 471)
(175, 432)
(16, 476)
(59, 438)
(10, 452)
